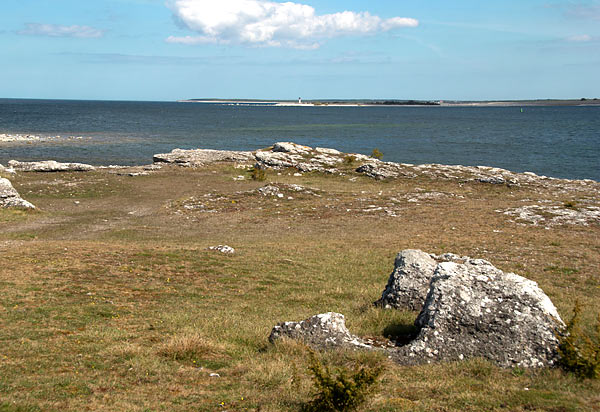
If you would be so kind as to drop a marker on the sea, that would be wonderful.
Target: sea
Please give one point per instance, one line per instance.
(562, 142)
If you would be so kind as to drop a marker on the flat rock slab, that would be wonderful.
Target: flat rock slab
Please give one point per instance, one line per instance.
(10, 198)
(50, 166)
(199, 157)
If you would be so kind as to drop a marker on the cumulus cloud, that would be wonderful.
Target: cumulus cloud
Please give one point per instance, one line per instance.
(56, 30)
(268, 23)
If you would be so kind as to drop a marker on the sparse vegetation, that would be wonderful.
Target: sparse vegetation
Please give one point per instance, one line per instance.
(376, 154)
(258, 174)
(579, 351)
(349, 159)
(343, 391)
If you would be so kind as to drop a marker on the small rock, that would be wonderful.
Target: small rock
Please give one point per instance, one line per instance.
(228, 250)
(322, 331)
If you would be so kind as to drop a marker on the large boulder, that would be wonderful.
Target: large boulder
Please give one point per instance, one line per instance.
(327, 330)
(475, 310)
(10, 198)
(472, 310)
(408, 284)
(50, 166)
(199, 157)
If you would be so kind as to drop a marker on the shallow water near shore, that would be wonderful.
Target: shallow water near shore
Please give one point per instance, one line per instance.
(554, 141)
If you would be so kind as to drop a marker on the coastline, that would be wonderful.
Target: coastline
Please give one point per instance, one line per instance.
(371, 103)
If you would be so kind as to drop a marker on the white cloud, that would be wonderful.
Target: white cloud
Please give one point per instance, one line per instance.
(268, 23)
(580, 38)
(56, 30)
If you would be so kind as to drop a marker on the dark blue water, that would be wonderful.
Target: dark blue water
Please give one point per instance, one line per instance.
(553, 141)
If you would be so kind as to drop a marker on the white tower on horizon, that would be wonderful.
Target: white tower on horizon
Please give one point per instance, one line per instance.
(299, 100)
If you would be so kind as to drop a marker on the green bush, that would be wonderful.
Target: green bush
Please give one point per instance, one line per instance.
(258, 174)
(578, 352)
(377, 154)
(344, 391)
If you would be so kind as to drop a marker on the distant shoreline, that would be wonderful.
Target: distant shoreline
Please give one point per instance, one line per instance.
(396, 103)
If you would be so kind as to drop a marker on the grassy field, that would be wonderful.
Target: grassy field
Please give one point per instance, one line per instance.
(110, 299)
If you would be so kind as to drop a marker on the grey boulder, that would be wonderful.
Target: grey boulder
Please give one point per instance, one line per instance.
(408, 284)
(476, 310)
(10, 198)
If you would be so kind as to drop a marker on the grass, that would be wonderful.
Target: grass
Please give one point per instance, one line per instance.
(116, 303)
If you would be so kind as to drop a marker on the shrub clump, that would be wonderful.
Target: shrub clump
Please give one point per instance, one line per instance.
(344, 391)
(258, 174)
(377, 154)
(578, 352)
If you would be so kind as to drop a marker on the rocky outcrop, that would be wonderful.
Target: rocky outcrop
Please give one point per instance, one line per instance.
(50, 166)
(549, 215)
(284, 155)
(10, 198)
(201, 157)
(472, 310)
(327, 330)
(476, 310)
(304, 158)
(408, 284)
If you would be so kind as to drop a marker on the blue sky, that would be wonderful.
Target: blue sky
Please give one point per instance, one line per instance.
(403, 49)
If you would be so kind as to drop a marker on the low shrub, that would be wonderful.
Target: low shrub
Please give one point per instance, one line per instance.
(258, 174)
(344, 391)
(578, 352)
(377, 154)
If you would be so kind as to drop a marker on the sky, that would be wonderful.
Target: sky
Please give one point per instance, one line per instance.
(167, 50)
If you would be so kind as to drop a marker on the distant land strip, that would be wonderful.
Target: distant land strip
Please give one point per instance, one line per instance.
(393, 102)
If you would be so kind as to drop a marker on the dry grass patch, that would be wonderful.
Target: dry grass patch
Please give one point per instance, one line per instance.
(192, 348)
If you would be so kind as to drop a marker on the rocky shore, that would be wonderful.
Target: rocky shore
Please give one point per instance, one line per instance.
(4, 137)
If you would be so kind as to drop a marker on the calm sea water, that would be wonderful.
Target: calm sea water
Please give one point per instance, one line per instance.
(553, 141)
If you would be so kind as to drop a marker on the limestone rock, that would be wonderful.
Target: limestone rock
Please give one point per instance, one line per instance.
(227, 250)
(408, 284)
(327, 330)
(10, 198)
(289, 147)
(306, 159)
(50, 166)
(327, 151)
(380, 170)
(199, 157)
(476, 310)
(472, 310)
